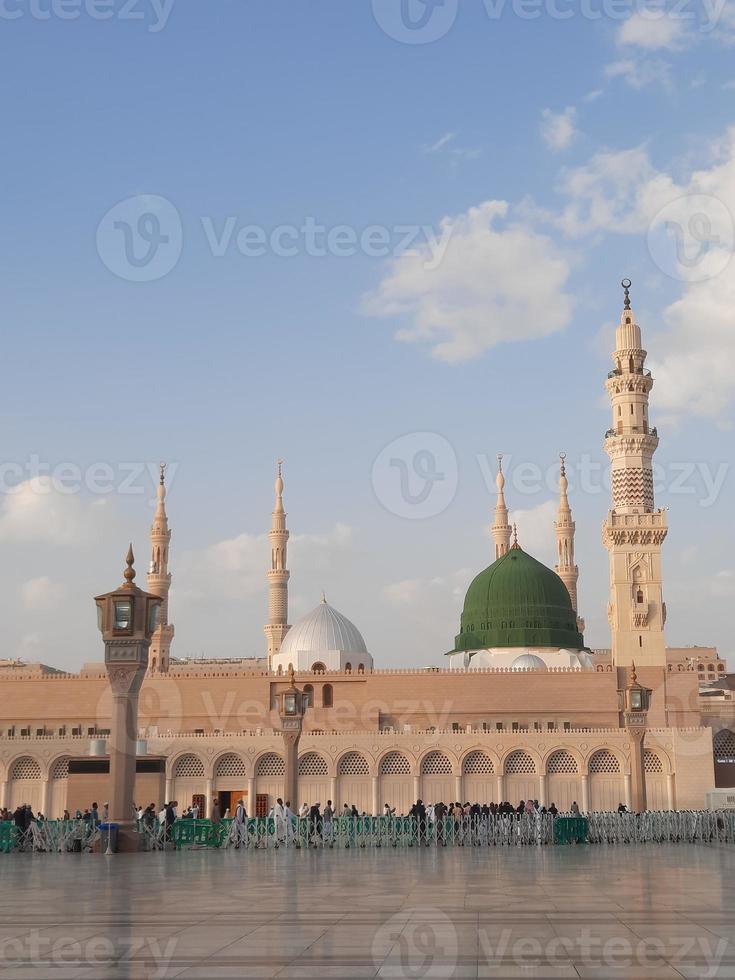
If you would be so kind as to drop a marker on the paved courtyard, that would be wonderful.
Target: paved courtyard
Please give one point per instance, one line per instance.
(653, 911)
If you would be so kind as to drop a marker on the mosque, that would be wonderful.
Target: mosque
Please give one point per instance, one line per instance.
(518, 707)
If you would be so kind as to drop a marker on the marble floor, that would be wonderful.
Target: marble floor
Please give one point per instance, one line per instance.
(639, 912)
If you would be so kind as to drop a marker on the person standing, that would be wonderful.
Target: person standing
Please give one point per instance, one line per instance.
(216, 813)
(328, 825)
(279, 818)
(241, 825)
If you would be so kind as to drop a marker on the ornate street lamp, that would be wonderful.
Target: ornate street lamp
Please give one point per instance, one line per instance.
(127, 619)
(636, 701)
(291, 708)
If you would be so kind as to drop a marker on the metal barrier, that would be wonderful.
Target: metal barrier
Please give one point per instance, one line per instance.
(51, 836)
(506, 830)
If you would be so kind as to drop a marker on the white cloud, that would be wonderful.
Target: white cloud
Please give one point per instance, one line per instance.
(729, 86)
(446, 147)
(652, 31)
(594, 95)
(41, 594)
(41, 510)
(637, 73)
(236, 567)
(416, 591)
(559, 129)
(477, 296)
(605, 194)
(536, 530)
(723, 584)
(440, 144)
(695, 373)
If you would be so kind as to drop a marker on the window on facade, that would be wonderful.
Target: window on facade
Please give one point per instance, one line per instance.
(327, 696)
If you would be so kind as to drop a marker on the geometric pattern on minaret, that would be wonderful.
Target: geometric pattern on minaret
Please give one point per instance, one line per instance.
(635, 529)
(159, 581)
(278, 574)
(501, 529)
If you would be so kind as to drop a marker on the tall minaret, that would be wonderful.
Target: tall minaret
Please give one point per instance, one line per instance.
(634, 530)
(159, 581)
(501, 529)
(565, 568)
(278, 575)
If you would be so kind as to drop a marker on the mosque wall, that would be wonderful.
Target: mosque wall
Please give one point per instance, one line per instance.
(369, 769)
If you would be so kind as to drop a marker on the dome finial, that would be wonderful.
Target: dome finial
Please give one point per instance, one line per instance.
(162, 478)
(324, 598)
(129, 573)
(626, 284)
(516, 546)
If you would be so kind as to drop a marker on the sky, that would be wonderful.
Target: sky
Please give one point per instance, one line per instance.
(382, 240)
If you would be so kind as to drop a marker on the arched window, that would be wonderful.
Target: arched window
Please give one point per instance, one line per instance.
(313, 764)
(724, 746)
(518, 763)
(395, 764)
(308, 696)
(318, 668)
(604, 761)
(327, 696)
(361, 668)
(348, 667)
(270, 764)
(188, 766)
(561, 762)
(640, 596)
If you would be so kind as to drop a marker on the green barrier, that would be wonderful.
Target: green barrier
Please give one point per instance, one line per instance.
(8, 836)
(571, 829)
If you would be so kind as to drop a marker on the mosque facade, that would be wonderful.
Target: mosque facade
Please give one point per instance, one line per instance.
(519, 707)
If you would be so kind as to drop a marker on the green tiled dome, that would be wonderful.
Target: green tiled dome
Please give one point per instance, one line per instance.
(518, 602)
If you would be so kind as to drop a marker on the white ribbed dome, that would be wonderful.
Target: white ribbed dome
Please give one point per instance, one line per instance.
(320, 631)
(528, 661)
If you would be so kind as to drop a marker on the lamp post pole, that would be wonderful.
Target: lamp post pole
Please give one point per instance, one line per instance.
(291, 710)
(636, 702)
(127, 620)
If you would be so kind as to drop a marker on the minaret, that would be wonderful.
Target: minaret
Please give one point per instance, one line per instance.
(501, 529)
(159, 581)
(634, 530)
(278, 575)
(565, 568)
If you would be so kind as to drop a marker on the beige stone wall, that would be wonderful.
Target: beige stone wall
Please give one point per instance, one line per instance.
(369, 769)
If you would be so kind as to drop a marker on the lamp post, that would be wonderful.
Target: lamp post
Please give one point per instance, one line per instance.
(291, 708)
(636, 701)
(127, 620)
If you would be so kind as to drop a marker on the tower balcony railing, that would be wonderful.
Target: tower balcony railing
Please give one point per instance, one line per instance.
(633, 430)
(644, 372)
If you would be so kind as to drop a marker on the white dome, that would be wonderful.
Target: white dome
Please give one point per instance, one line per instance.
(321, 631)
(528, 661)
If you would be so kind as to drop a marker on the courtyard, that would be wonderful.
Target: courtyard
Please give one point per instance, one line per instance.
(578, 911)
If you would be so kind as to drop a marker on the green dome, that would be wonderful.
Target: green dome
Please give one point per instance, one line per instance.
(518, 602)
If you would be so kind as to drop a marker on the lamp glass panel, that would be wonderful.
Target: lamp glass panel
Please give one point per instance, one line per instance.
(123, 615)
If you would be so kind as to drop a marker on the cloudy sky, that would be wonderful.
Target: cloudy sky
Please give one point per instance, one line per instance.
(382, 240)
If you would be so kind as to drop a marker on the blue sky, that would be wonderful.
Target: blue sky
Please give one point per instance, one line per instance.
(548, 158)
